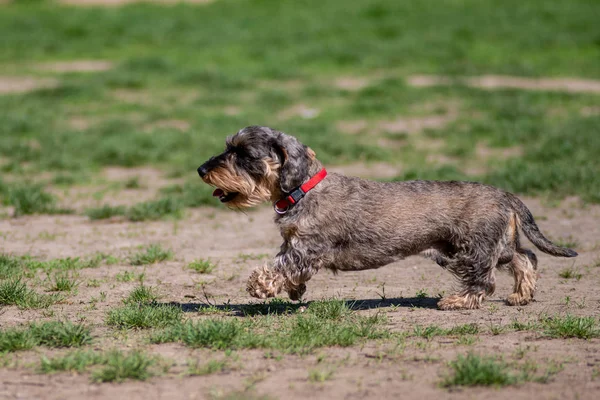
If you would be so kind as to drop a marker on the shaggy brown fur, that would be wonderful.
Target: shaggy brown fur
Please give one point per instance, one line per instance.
(348, 224)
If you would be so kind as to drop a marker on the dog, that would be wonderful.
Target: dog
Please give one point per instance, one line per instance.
(346, 223)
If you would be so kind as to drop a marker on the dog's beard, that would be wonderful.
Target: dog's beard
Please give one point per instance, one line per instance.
(238, 191)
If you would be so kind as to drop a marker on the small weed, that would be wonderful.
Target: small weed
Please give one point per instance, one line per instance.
(141, 295)
(128, 276)
(569, 242)
(61, 282)
(153, 254)
(496, 329)
(570, 273)
(320, 375)
(93, 283)
(474, 370)
(524, 326)
(202, 266)
(421, 294)
(133, 183)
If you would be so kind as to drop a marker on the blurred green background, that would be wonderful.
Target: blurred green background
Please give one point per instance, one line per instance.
(379, 82)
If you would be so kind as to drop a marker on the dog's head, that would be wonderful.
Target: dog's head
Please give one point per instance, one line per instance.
(259, 164)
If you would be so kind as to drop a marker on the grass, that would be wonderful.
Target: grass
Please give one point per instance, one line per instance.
(9, 266)
(51, 334)
(262, 75)
(62, 282)
(202, 266)
(152, 255)
(431, 331)
(475, 370)
(142, 295)
(105, 212)
(144, 316)
(570, 273)
(209, 368)
(113, 366)
(119, 367)
(325, 323)
(29, 199)
(570, 326)
(15, 292)
(153, 210)
(319, 375)
(145, 211)
(76, 361)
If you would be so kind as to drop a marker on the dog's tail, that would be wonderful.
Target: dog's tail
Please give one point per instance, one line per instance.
(531, 230)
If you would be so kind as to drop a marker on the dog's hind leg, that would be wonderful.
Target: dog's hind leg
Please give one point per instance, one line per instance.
(523, 269)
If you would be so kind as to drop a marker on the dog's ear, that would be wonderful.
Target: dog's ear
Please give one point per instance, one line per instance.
(294, 158)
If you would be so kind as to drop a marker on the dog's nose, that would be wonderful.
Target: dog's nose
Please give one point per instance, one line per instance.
(202, 171)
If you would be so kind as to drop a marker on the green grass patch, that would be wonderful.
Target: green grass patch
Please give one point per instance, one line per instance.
(105, 212)
(144, 316)
(201, 266)
(110, 366)
(29, 199)
(326, 323)
(142, 295)
(209, 368)
(475, 370)
(571, 326)
(153, 210)
(77, 361)
(62, 282)
(10, 266)
(570, 273)
(51, 334)
(15, 292)
(257, 75)
(119, 367)
(431, 331)
(152, 255)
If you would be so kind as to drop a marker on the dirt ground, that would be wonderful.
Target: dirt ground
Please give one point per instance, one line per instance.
(374, 370)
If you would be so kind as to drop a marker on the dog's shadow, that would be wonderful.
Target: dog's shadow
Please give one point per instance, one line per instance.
(279, 307)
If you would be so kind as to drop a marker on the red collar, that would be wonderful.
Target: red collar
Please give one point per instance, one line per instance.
(284, 204)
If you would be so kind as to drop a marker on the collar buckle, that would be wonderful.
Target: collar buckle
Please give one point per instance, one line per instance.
(281, 211)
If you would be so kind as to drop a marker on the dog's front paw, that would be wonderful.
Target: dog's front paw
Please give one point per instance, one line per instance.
(296, 292)
(264, 283)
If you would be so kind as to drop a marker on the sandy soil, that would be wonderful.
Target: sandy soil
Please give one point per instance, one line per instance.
(375, 370)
